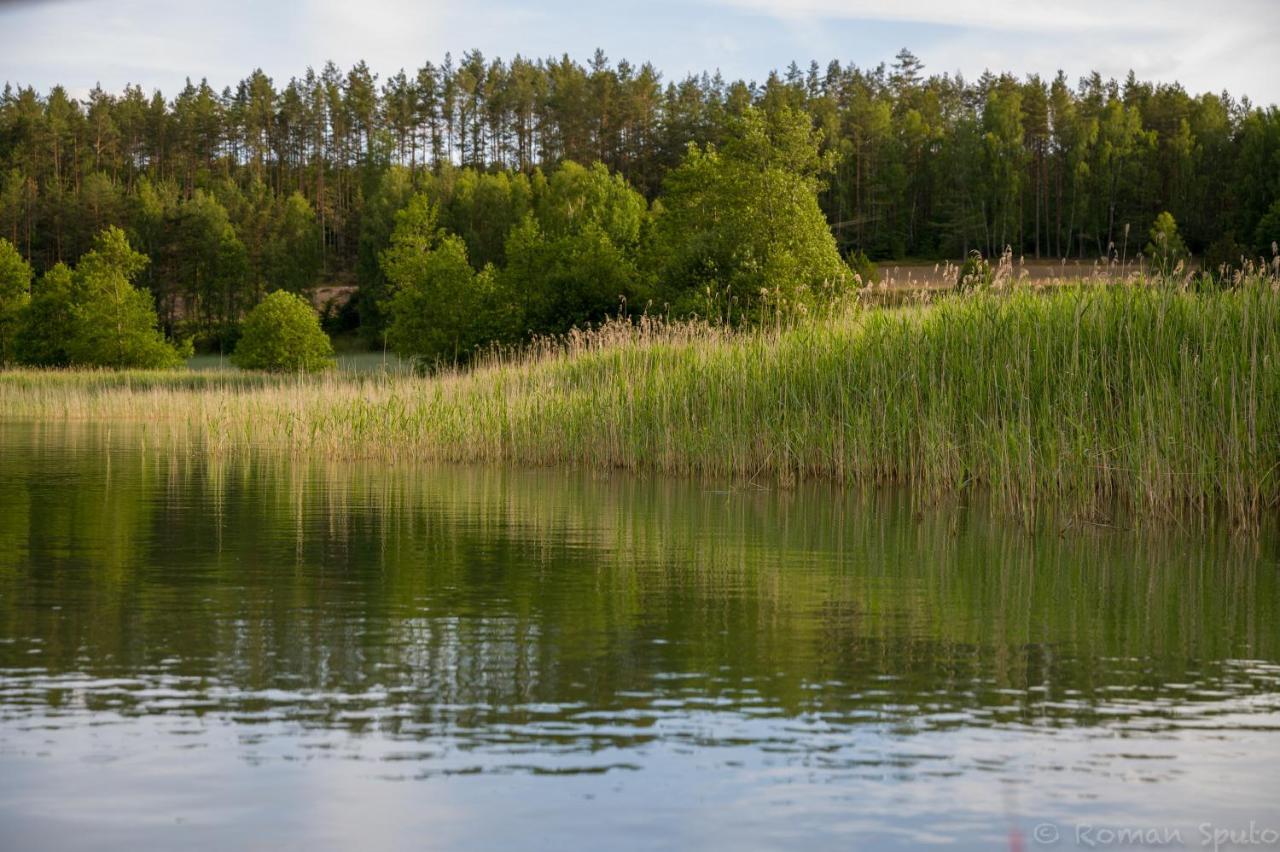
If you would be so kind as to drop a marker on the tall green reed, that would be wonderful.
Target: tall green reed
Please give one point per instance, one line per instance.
(1126, 398)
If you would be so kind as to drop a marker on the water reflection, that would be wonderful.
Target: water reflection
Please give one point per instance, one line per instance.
(853, 662)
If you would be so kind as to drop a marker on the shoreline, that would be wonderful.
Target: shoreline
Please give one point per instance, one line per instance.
(1124, 399)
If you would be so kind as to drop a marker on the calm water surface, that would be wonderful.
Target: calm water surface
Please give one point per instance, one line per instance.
(201, 653)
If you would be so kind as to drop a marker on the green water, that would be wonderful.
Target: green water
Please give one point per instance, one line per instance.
(201, 653)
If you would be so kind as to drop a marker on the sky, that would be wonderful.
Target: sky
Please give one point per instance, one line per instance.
(1206, 46)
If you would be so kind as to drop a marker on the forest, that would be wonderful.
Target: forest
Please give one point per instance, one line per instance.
(553, 194)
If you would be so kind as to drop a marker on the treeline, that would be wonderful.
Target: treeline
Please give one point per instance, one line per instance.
(267, 185)
(471, 259)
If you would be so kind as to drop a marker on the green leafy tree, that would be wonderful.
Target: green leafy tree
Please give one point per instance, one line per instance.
(152, 232)
(114, 323)
(572, 262)
(416, 233)
(210, 262)
(391, 193)
(1166, 250)
(574, 280)
(1003, 163)
(295, 254)
(1266, 237)
(15, 292)
(47, 323)
(741, 226)
(282, 334)
(576, 197)
(441, 309)
(1255, 177)
(483, 208)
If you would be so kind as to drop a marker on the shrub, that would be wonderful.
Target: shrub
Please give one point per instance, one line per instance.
(574, 279)
(282, 334)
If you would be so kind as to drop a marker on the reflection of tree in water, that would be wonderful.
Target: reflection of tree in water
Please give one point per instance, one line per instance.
(560, 606)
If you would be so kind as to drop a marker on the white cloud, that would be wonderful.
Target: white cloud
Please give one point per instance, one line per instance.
(1037, 15)
(1229, 44)
(1226, 44)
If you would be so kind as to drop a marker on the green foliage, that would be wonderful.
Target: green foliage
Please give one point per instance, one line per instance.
(391, 193)
(209, 262)
(864, 268)
(47, 323)
(282, 334)
(1266, 237)
(1003, 162)
(576, 279)
(572, 262)
(1224, 259)
(1166, 250)
(15, 292)
(482, 208)
(442, 310)
(1255, 178)
(577, 198)
(289, 186)
(295, 255)
(740, 229)
(114, 324)
(416, 233)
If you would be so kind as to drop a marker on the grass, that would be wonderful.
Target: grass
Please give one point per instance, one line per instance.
(1104, 399)
(347, 361)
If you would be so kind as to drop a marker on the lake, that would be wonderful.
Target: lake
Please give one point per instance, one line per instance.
(270, 653)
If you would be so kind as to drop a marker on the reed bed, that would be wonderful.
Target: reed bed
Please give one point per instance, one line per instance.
(1133, 397)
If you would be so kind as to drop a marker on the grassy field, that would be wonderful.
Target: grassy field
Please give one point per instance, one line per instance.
(1127, 398)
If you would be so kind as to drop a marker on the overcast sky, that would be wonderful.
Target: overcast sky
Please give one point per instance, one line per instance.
(1207, 46)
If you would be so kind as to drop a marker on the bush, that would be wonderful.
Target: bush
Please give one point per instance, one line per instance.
(575, 279)
(282, 334)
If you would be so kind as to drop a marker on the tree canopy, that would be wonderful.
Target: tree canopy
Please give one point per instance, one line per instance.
(47, 323)
(740, 224)
(15, 292)
(113, 323)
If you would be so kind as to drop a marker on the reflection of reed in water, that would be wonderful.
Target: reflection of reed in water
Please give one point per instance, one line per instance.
(465, 595)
